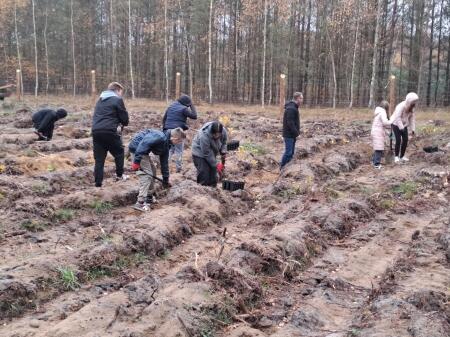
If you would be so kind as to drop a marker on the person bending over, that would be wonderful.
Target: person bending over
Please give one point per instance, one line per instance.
(44, 122)
(210, 141)
(159, 143)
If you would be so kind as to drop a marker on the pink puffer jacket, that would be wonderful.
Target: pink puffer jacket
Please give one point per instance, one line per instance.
(401, 117)
(379, 130)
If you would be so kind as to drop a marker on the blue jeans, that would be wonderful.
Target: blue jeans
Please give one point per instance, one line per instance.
(288, 151)
(376, 158)
(177, 150)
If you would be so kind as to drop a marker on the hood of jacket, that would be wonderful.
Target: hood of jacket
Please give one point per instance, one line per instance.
(378, 110)
(107, 94)
(411, 98)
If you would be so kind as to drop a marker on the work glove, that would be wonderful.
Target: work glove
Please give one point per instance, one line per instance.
(220, 168)
(166, 183)
(135, 167)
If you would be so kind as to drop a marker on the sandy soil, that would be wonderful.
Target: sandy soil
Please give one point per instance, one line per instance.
(328, 247)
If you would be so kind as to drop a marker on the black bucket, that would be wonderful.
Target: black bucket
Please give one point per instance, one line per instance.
(233, 185)
(232, 145)
(431, 149)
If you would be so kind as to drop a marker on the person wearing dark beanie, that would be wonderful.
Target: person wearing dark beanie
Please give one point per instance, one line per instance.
(176, 117)
(44, 122)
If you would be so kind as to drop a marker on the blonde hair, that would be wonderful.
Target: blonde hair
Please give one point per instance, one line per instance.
(115, 86)
(178, 133)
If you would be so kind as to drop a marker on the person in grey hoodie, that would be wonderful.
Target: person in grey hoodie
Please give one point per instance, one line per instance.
(210, 141)
(109, 114)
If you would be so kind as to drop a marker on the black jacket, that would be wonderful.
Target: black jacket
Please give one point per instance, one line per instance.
(44, 122)
(177, 114)
(291, 120)
(109, 113)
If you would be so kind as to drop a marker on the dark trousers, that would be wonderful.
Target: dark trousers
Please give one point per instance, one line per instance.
(289, 150)
(401, 140)
(206, 175)
(376, 158)
(105, 142)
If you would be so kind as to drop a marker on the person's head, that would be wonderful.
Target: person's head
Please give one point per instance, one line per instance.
(61, 113)
(177, 136)
(298, 98)
(216, 130)
(385, 105)
(185, 100)
(411, 100)
(117, 88)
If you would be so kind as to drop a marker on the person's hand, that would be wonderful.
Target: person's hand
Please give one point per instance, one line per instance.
(135, 167)
(166, 183)
(220, 168)
(223, 157)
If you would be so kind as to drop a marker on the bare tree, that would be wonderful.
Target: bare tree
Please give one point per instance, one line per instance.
(333, 66)
(36, 87)
(263, 83)
(73, 50)
(18, 46)
(188, 50)
(166, 56)
(373, 79)
(129, 48)
(352, 78)
(113, 49)
(47, 83)
(210, 52)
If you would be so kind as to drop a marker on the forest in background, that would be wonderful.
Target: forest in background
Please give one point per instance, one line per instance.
(337, 52)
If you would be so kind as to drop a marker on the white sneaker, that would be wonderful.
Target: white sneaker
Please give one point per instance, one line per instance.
(397, 160)
(141, 206)
(404, 159)
(124, 177)
(378, 167)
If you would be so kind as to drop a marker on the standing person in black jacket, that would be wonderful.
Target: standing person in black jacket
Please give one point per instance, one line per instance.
(44, 122)
(109, 114)
(291, 127)
(176, 117)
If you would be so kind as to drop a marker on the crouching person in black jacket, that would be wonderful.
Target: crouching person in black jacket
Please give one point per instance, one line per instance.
(159, 143)
(109, 114)
(44, 122)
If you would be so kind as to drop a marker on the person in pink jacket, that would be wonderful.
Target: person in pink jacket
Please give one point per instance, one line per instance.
(402, 119)
(378, 133)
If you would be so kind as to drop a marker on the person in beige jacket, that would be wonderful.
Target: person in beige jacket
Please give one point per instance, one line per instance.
(403, 118)
(378, 132)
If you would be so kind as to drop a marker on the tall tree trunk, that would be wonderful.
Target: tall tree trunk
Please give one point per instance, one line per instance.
(113, 49)
(263, 84)
(333, 67)
(188, 49)
(354, 59)
(18, 46)
(438, 68)
(129, 48)
(373, 80)
(73, 50)
(210, 52)
(47, 83)
(166, 56)
(36, 86)
(430, 60)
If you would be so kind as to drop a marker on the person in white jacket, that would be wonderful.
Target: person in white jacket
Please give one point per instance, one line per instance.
(378, 133)
(402, 119)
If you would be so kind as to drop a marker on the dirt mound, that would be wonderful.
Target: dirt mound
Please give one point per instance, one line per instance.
(15, 297)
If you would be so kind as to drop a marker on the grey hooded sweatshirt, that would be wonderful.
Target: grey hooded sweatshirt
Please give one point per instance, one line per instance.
(205, 146)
